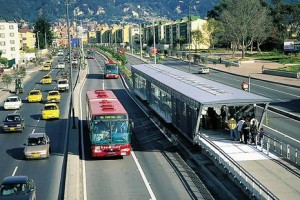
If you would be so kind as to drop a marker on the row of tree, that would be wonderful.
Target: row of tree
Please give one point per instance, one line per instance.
(245, 23)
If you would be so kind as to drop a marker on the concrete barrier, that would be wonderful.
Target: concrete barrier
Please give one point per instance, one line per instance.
(281, 73)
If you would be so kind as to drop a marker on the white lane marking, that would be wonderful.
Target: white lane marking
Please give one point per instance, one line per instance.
(284, 135)
(267, 88)
(15, 170)
(38, 120)
(33, 131)
(103, 80)
(82, 143)
(143, 176)
(15, 111)
(285, 116)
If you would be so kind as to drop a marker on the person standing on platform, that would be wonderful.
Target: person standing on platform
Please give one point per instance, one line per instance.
(253, 131)
(261, 135)
(240, 127)
(246, 130)
(232, 125)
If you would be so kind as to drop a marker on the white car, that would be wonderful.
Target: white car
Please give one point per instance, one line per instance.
(75, 62)
(63, 85)
(60, 65)
(37, 146)
(60, 53)
(204, 70)
(13, 102)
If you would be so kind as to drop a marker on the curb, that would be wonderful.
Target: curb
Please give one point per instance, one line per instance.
(73, 183)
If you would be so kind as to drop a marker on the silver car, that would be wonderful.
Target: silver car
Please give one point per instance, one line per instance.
(37, 146)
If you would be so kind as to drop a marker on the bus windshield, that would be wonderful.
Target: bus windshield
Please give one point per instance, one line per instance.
(111, 68)
(110, 132)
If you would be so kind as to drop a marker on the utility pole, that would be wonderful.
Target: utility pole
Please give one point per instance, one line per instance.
(46, 41)
(141, 46)
(70, 66)
(38, 43)
(154, 49)
(190, 27)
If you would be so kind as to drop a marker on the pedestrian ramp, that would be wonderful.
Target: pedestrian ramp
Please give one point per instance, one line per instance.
(261, 174)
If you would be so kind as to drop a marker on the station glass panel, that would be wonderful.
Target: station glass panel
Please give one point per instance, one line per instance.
(140, 86)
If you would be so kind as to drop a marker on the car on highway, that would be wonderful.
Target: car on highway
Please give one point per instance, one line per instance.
(53, 96)
(47, 79)
(204, 70)
(12, 102)
(35, 95)
(63, 85)
(37, 146)
(51, 111)
(13, 122)
(48, 62)
(60, 52)
(46, 67)
(18, 187)
(60, 65)
(74, 62)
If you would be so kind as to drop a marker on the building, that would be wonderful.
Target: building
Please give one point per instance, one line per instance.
(134, 37)
(27, 39)
(9, 40)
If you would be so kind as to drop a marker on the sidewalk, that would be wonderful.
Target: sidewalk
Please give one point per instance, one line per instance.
(4, 91)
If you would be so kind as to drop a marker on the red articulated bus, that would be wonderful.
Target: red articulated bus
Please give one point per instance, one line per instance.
(109, 125)
(90, 54)
(111, 69)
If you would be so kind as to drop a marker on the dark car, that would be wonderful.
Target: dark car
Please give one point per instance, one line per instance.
(13, 122)
(17, 188)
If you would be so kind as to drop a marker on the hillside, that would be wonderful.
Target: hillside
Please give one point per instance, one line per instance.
(106, 11)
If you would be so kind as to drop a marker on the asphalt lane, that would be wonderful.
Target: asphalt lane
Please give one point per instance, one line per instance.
(284, 97)
(119, 178)
(46, 173)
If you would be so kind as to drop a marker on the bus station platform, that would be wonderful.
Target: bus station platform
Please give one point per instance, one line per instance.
(269, 170)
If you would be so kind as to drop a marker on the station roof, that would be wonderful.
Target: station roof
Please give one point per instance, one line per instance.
(204, 91)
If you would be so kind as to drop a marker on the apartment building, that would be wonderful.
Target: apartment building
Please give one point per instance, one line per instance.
(9, 40)
(27, 39)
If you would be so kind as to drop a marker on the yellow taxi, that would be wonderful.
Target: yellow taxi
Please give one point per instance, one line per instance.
(35, 95)
(47, 67)
(51, 111)
(53, 96)
(46, 79)
(48, 62)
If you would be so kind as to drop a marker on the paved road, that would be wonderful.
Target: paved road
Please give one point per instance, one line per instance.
(120, 178)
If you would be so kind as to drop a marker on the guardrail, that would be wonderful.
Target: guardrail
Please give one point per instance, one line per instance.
(286, 151)
(237, 173)
(281, 73)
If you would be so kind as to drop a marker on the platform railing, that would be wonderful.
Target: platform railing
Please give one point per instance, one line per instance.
(286, 151)
(236, 172)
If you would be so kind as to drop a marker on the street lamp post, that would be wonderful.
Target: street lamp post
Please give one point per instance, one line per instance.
(70, 61)
(38, 43)
(190, 35)
(190, 27)
(46, 40)
(141, 46)
(154, 49)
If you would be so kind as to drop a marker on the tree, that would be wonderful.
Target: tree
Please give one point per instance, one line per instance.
(180, 41)
(42, 28)
(241, 19)
(286, 20)
(211, 30)
(197, 38)
(7, 79)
